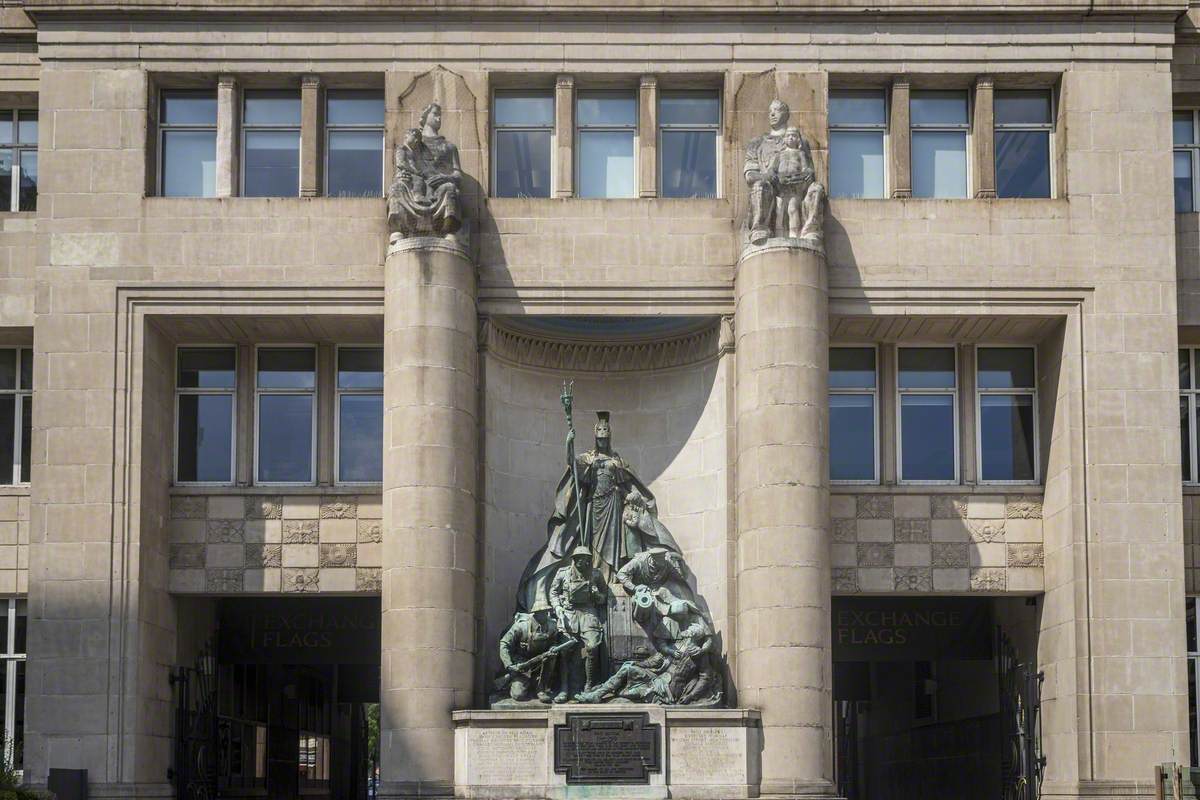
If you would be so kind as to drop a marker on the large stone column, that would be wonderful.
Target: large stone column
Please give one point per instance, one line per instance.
(783, 583)
(429, 548)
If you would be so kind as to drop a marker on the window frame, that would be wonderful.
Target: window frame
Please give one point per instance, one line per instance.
(876, 394)
(942, 127)
(954, 393)
(714, 128)
(1025, 391)
(245, 128)
(164, 128)
(19, 393)
(495, 128)
(885, 128)
(1193, 151)
(12, 658)
(1192, 394)
(314, 392)
(18, 147)
(1048, 127)
(338, 393)
(1191, 619)
(199, 390)
(331, 128)
(633, 128)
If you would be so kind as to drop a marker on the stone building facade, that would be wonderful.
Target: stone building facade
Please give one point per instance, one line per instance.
(713, 357)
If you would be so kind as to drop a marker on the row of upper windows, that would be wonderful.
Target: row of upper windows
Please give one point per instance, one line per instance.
(604, 141)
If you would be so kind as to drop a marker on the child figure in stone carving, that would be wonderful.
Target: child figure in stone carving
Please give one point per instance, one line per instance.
(407, 167)
(791, 176)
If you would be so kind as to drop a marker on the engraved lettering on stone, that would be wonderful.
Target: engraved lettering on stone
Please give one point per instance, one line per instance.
(700, 754)
(507, 756)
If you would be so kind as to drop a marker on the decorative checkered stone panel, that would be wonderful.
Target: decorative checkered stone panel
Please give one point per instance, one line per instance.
(941, 543)
(250, 544)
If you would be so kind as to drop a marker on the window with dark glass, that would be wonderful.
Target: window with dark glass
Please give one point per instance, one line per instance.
(1193, 666)
(18, 160)
(1023, 125)
(1183, 133)
(15, 614)
(206, 384)
(285, 410)
(353, 143)
(16, 413)
(927, 385)
(857, 126)
(271, 144)
(360, 414)
(940, 122)
(522, 132)
(187, 144)
(604, 149)
(1189, 390)
(1005, 381)
(688, 125)
(853, 410)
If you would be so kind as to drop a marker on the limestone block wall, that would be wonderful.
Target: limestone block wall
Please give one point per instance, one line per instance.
(949, 543)
(249, 544)
(14, 543)
(17, 246)
(670, 425)
(1191, 542)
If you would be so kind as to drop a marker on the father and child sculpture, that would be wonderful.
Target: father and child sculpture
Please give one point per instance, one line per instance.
(605, 543)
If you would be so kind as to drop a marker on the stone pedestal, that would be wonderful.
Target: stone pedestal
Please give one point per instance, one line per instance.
(706, 754)
(429, 547)
(783, 663)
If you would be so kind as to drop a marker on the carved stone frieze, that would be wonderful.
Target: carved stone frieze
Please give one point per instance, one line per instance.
(301, 580)
(370, 531)
(531, 350)
(187, 507)
(261, 507)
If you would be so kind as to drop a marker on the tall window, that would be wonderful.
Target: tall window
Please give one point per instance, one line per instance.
(285, 409)
(853, 411)
(188, 144)
(1193, 669)
(1189, 391)
(523, 129)
(1183, 131)
(15, 616)
(604, 159)
(857, 126)
(940, 124)
(1006, 378)
(688, 123)
(206, 383)
(18, 160)
(353, 143)
(928, 402)
(360, 415)
(16, 413)
(271, 144)
(1023, 126)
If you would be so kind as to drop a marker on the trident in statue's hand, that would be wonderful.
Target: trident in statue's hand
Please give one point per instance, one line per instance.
(567, 397)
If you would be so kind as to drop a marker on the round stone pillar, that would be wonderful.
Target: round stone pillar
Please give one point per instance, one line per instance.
(783, 581)
(429, 547)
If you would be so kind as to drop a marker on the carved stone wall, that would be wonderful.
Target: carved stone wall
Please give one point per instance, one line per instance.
(952, 543)
(248, 544)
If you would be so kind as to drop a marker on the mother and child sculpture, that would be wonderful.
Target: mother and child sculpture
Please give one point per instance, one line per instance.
(609, 571)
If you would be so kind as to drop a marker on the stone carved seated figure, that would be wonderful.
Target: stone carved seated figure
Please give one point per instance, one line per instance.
(423, 198)
(781, 178)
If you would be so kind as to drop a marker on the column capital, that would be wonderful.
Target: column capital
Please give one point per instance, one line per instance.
(564, 81)
(227, 81)
(310, 81)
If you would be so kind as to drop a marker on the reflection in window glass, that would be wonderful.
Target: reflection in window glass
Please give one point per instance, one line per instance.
(287, 368)
(271, 144)
(852, 399)
(1006, 368)
(360, 414)
(927, 383)
(1006, 381)
(206, 382)
(286, 396)
(1188, 387)
(927, 368)
(605, 158)
(939, 144)
(524, 125)
(857, 124)
(1183, 127)
(1022, 143)
(688, 125)
(354, 143)
(15, 414)
(1186, 156)
(188, 144)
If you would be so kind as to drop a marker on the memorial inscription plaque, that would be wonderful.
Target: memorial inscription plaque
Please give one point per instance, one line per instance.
(607, 748)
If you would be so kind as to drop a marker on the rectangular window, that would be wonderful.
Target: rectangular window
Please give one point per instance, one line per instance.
(927, 389)
(205, 389)
(18, 160)
(1024, 123)
(857, 127)
(187, 144)
(1006, 410)
(285, 408)
(360, 414)
(16, 397)
(604, 152)
(14, 612)
(1183, 132)
(688, 124)
(1187, 413)
(271, 144)
(522, 137)
(940, 123)
(853, 414)
(1193, 666)
(353, 143)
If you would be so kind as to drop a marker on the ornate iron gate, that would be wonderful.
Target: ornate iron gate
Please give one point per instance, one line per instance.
(194, 775)
(1021, 761)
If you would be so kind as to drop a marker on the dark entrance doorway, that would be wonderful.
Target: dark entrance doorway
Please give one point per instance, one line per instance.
(933, 698)
(281, 704)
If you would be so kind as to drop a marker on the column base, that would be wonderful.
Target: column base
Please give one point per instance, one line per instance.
(414, 790)
(1099, 790)
(798, 790)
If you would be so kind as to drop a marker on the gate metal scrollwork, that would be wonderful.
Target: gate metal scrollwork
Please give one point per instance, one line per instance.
(194, 775)
(1021, 761)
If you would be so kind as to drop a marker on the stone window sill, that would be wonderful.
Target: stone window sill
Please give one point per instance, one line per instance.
(229, 491)
(941, 488)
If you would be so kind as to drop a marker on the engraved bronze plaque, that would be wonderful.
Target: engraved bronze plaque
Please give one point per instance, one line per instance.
(607, 748)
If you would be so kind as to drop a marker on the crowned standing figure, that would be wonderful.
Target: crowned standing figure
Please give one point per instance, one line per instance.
(599, 504)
